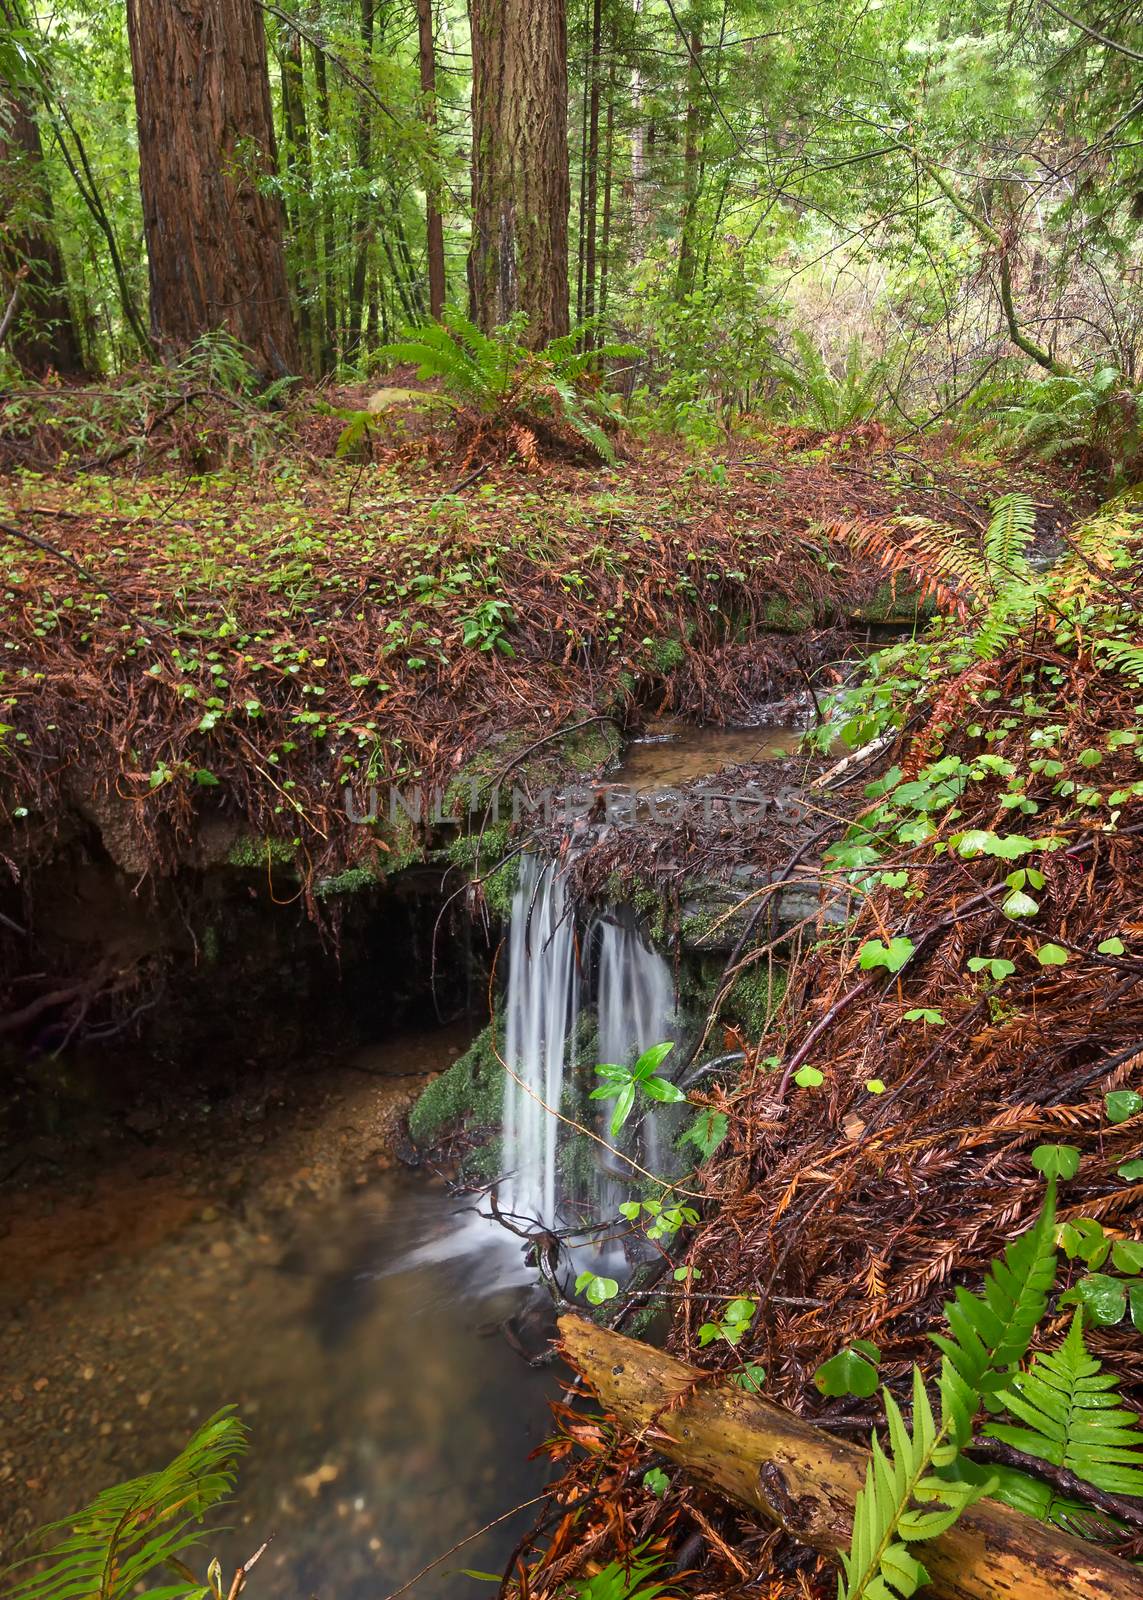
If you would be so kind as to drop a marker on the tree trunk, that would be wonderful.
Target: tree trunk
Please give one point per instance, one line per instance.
(206, 145)
(608, 172)
(434, 222)
(520, 182)
(798, 1476)
(364, 226)
(685, 279)
(592, 165)
(297, 154)
(42, 333)
(329, 246)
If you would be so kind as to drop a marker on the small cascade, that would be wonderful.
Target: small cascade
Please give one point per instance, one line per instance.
(635, 1008)
(541, 1003)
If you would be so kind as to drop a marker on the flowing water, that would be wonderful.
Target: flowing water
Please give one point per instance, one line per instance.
(552, 972)
(358, 1335)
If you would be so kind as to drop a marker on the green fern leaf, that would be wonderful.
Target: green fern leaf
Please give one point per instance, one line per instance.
(989, 1333)
(131, 1530)
(901, 1503)
(1010, 531)
(1069, 1407)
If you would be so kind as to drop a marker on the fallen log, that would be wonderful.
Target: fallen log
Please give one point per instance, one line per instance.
(794, 1474)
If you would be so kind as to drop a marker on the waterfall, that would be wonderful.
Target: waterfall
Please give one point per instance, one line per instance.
(541, 1004)
(635, 1008)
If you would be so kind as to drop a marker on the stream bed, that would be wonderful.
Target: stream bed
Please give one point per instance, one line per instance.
(357, 1333)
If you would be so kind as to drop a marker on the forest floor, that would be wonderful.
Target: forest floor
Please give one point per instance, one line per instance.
(879, 1139)
(248, 643)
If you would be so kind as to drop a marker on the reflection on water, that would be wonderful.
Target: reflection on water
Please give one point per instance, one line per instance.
(389, 1416)
(676, 752)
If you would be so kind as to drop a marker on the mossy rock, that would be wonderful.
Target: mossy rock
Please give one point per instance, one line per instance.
(754, 998)
(470, 1093)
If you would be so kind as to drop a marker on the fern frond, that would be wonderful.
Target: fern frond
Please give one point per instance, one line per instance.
(1068, 1405)
(990, 1332)
(1011, 529)
(129, 1531)
(902, 1502)
(1126, 656)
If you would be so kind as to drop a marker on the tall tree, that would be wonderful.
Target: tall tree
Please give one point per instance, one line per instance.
(688, 250)
(434, 223)
(520, 181)
(43, 332)
(213, 225)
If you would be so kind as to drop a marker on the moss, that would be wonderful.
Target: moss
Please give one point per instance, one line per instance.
(754, 998)
(470, 1092)
(476, 852)
(500, 886)
(895, 603)
(788, 616)
(666, 654)
(249, 850)
(352, 881)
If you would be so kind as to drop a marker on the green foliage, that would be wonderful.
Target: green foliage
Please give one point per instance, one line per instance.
(1078, 415)
(499, 378)
(1066, 1411)
(114, 1546)
(633, 1580)
(903, 1502)
(834, 397)
(851, 1371)
(733, 1325)
(989, 1332)
(622, 1084)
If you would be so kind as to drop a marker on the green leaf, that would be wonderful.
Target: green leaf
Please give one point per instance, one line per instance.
(875, 1085)
(624, 1103)
(1019, 904)
(847, 1372)
(1066, 1414)
(651, 1060)
(808, 1078)
(663, 1090)
(598, 1289)
(1103, 1298)
(931, 1019)
(752, 1377)
(997, 968)
(1131, 1170)
(1056, 1160)
(1051, 955)
(1122, 1104)
(656, 1480)
(205, 778)
(1127, 1255)
(892, 956)
(707, 1132)
(1111, 947)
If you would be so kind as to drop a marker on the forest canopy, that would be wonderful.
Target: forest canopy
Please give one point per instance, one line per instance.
(902, 209)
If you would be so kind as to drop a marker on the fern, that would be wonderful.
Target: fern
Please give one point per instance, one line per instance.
(131, 1530)
(1067, 1404)
(989, 1333)
(502, 379)
(902, 1503)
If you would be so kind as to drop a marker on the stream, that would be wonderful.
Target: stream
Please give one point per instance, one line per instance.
(358, 1337)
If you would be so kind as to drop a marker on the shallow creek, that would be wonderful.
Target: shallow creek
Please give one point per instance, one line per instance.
(358, 1337)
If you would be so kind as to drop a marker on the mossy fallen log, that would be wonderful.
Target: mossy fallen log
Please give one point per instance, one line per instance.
(794, 1474)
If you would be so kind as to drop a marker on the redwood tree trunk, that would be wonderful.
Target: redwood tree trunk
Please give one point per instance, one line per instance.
(592, 166)
(44, 335)
(520, 182)
(434, 223)
(685, 280)
(206, 149)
